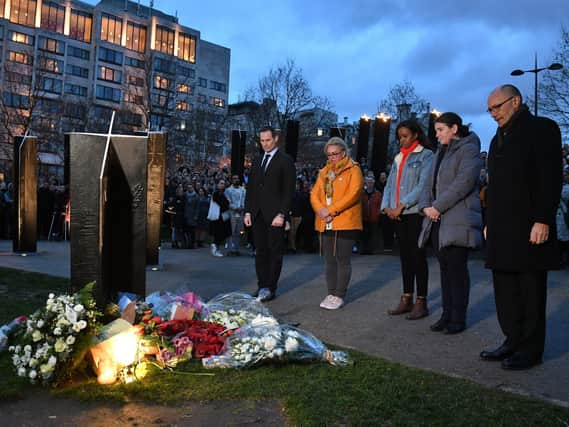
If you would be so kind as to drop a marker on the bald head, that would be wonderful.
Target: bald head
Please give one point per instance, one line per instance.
(503, 103)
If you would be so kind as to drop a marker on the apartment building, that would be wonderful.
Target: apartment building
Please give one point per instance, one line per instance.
(67, 65)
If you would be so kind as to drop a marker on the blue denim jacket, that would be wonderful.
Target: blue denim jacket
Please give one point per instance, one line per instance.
(413, 178)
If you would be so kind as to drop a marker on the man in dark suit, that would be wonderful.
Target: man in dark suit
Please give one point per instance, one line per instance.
(524, 186)
(268, 201)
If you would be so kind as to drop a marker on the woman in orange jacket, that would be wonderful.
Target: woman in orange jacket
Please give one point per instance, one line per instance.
(336, 200)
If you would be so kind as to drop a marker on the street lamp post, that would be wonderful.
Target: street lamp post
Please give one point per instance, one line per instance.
(535, 70)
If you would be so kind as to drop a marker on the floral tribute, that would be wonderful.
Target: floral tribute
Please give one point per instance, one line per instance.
(55, 338)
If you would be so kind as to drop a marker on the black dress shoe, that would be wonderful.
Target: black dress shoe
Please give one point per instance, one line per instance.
(439, 326)
(454, 328)
(500, 353)
(520, 361)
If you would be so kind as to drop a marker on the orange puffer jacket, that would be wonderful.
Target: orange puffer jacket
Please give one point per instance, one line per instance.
(346, 208)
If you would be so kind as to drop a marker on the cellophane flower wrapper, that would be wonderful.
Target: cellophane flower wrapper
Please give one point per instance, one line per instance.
(234, 310)
(252, 345)
(161, 303)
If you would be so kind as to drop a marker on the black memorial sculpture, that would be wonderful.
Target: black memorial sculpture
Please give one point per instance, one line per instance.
(381, 128)
(108, 181)
(238, 147)
(156, 173)
(24, 187)
(363, 140)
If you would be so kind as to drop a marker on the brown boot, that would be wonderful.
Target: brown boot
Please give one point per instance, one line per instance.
(419, 310)
(405, 305)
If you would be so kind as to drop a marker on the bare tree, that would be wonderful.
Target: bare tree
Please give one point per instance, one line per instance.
(401, 94)
(554, 90)
(284, 92)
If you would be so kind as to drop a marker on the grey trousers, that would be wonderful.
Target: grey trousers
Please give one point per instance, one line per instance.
(337, 254)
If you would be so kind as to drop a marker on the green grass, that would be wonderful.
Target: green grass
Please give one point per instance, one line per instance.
(371, 392)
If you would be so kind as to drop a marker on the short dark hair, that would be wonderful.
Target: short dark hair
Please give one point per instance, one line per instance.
(451, 119)
(269, 129)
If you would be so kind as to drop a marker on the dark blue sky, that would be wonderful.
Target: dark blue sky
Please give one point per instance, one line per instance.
(454, 51)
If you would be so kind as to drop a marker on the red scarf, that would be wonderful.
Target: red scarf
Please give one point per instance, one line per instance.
(405, 152)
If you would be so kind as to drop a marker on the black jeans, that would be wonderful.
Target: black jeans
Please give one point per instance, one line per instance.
(414, 265)
(455, 279)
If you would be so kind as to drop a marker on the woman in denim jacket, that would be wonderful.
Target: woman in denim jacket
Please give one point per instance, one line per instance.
(401, 194)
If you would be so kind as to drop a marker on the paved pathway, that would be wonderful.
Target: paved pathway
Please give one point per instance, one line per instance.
(363, 324)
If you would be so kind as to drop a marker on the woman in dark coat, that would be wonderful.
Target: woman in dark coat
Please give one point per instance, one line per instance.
(220, 229)
(202, 224)
(451, 204)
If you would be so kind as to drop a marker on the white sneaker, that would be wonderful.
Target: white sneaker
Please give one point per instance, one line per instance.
(335, 303)
(217, 253)
(326, 302)
(213, 248)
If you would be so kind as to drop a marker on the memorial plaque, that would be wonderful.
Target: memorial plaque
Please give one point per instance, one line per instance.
(25, 194)
(155, 197)
(108, 199)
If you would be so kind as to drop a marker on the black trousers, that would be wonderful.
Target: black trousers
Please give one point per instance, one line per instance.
(414, 265)
(270, 246)
(520, 304)
(338, 254)
(455, 279)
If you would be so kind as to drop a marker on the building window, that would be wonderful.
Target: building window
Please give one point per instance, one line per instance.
(52, 65)
(217, 86)
(186, 72)
(51, 85)
(21, 38)
(76, 70)
(202, 82)
(136, 81)
(109, 55)
(186, 47)
(161, 82)
(52, 16)
(80, 26)
(16, 100)
(182, 106)
(133, 62)
(202, 99)
(20, 57)
(109, 74)
(13, 77)
(185, 88)
(133, 98)
(164, 40)
(75, 89)
(111, 28)
(23, 12)
(160, 100)
(218, 102)
(131, 119)
(164, 66)
(107, 93)
(77, 52)
(135, 37)
(51, 45)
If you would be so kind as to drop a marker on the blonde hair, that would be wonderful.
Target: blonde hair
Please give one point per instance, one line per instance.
(335, 140)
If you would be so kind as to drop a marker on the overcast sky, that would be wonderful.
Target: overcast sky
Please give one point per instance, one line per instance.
(453, 51)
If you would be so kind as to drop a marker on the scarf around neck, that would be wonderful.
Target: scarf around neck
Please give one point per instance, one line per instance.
(331, 170)
(405, 152)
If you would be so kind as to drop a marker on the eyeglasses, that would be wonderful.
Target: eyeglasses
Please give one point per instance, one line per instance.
(337, 153)
(496, 107)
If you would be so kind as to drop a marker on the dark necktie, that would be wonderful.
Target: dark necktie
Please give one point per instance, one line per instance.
(265, 161)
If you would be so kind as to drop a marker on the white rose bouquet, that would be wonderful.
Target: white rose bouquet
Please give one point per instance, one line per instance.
(55, 334)
(269, 341)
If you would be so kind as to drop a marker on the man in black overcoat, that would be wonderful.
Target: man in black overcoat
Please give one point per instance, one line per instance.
(268, 201)
(524, 186)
